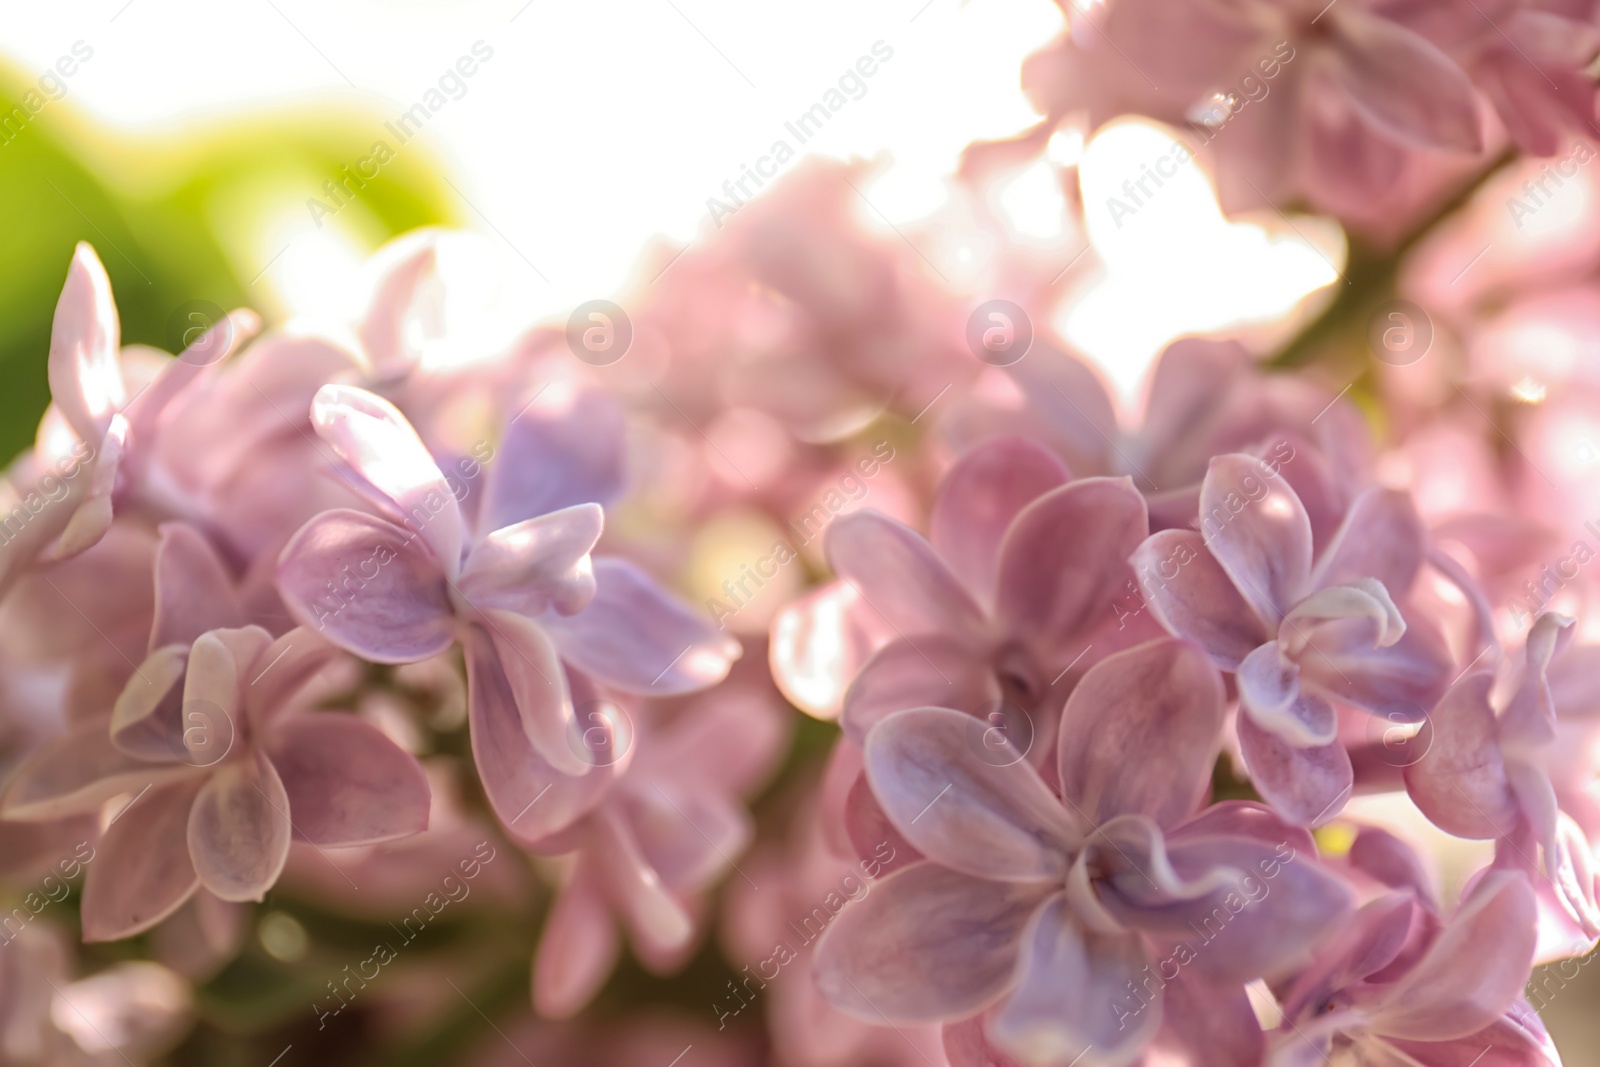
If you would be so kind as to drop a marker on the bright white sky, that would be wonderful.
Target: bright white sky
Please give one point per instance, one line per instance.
(601, 124)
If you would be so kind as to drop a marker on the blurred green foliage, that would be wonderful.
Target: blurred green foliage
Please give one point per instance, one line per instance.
(176, 216)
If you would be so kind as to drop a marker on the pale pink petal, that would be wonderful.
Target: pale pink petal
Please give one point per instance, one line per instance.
(928, 944)
(1071, 983)
(78, 772)
(578, 948)
(961, 805)
(536, 564)
(635, 636)
(563, 449)
(147, 719)
(346, 782)
(1403, 84)
(407, 266)
(979, 498)
(85, 373)
(656, 919)
(819, 643)
(1208, 1023)
(1064, 560)
(1472, 973)
(1402, 681)
(1304, 720)
(367, 586)
(1381, 537)
(689, 836)
(141, 872)
(928, 671)
(368, 433)
(1307, 786)
(1246, 907)
(1161, 703)
(1192, 596)
(1460, 783)
(194, 591)
(282, 669)
(899, 576)
(92, 517)
(1269, 684)
(1258, 531)
(239, 829)
(543, 704)
(530, 797)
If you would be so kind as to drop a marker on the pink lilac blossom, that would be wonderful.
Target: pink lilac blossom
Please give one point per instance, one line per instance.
(343, 602)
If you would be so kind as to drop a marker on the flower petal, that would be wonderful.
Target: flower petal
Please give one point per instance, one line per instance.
(928, 944)
(1472, 973)
(565, 448)
(1163, 701)
(347, 783)
(239, 829)
(1247, 908)
(1306, 721)
(147, 719)
(655, 917)
(931, 671)
(899, 576)
(637, 637)
(978, 500)
(1072, 993)
(578, 948)
(961, 805)
(85, 342)
(194, 592)
(367, 586)
(1306, 785)
(1403, 84)
(531, 798)
(370, 434)
(1192, 596)
(818, 644)
(1258, 531)
(78, 772)
(141, 872)
(1380, 537)
(1064, 560)
(537, 563)
(1460, 782)
(543, 704)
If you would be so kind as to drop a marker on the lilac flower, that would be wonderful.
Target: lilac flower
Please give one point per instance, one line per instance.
(647, 851)
(519, 593)
(1203, 398)
(1053, 911)
(1015, 590)
(1402, 986)
(1507, 776)
(1302, 626)
(223, 775)
(107, 413)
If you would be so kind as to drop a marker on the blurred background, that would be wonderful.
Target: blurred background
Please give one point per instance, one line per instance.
(254, 154)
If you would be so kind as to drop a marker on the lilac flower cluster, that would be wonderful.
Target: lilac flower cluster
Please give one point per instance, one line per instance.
(262, 528)
(1070, 889)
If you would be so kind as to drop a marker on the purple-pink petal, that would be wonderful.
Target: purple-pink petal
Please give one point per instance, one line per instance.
(368, 586)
